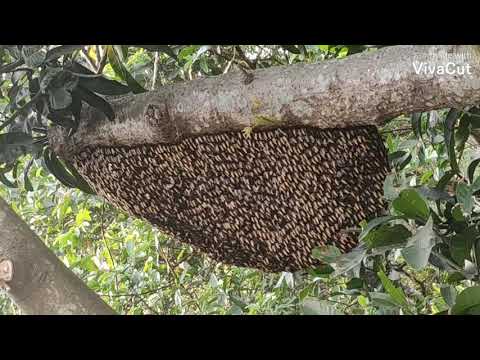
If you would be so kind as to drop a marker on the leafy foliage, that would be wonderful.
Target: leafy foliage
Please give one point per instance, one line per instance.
(421, 257)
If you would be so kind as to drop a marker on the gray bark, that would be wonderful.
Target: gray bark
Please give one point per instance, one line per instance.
(40, 284)
(365, 88)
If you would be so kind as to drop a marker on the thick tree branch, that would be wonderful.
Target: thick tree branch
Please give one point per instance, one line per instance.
(38, 282)
(365, 88)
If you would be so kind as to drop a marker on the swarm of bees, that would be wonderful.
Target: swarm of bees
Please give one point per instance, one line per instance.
(265, 201)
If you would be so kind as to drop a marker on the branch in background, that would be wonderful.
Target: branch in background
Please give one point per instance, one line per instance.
(242, 55)
(41, 284)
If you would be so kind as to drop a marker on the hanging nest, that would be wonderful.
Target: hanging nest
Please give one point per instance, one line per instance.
(265, 201)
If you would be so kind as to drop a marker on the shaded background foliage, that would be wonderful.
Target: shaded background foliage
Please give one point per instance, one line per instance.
(421, 258)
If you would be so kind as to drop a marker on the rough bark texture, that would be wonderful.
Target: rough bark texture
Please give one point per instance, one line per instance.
(363, 89)
(41, 283)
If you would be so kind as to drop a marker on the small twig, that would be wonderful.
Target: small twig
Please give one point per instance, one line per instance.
(230, 62)
(103, 59)
(249, 62)
(396, 130)
(106, 244)
(155, 69)
(11, 66)
(148, 292)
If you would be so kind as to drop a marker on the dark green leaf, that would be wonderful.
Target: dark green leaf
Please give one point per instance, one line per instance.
(122, 71)
(375, 223)
(61, 50)
(416, 120)
(383, 300)
(442, 183)
(355, 283)
(291, 48)
(6, 182)
(104, 86)
(57, 169)
(387, 235)
(461, 245)
(411, 204)
(476, 185)
(80, 181)
(95, 101)
(326, 253)
(465, 197)
(160, 48)
(455, 277)
(396, 294)
(467, 302)
(449, 136)
(59, 98)
(26, 180)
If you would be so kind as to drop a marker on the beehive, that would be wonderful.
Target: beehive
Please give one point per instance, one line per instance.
(265, 201)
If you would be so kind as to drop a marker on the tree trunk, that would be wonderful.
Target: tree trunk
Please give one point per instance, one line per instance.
(363, 89)
(35, 279)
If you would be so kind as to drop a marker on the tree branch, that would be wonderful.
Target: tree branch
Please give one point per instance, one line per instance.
(362, 89)
(41, 284)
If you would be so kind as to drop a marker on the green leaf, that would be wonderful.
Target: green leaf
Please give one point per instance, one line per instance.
(327, 253)
(400, 159)
(61, 50)
(83, 215)
(88, 264)
(291, 48)
(411, 204)
(6, 182)
(416, 121)
(79, 180)
(372, 224)
(99, 84)
(465, 197)
(455, 277)
(59, 98)
(160, 48)
(420, 246)
(122, 71)
(457, 214)
(449, 294)
(318, 307)
(387, 235)
(449, 129)
(26, 180)
(95, 101)
(349, 261)
(383, 300)
(461, 245)
(33, 55)
(57, 169)
(396, 294)
(467, 302)
(355, 283)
